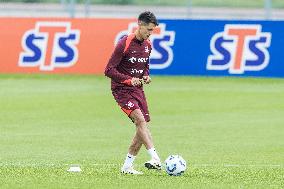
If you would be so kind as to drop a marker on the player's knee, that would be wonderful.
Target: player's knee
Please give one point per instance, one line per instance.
(140, 121)
(138, 118)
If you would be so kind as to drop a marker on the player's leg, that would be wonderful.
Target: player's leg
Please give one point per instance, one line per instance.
(128, 104)
(132, 152)
(143, 133)
(155, 162)
(141, 128)
(135, 145)
(130, 157)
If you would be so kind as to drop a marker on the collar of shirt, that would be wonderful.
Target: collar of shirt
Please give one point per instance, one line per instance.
(138, 41)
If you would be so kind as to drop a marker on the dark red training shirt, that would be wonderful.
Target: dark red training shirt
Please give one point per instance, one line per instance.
(129, 59)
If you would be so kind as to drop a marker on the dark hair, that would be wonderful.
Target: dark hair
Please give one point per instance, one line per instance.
(148, 17)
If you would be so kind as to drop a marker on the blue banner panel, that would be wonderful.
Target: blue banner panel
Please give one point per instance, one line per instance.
(218, 48)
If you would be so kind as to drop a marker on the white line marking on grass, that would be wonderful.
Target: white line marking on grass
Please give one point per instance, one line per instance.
(115, 165)
(237, 165)
(204, 165)
(107, 164)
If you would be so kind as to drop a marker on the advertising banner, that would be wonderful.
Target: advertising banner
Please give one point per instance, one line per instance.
(179, 47)
(226, 48)
(47, 45)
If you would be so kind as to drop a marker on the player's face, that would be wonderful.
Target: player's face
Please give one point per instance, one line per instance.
(145, 30)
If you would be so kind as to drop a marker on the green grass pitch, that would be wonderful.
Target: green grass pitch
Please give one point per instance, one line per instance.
(229, 130)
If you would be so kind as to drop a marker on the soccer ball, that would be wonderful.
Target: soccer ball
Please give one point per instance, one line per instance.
(175, 165)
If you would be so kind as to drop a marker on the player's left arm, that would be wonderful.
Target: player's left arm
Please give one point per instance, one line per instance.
(146, 74)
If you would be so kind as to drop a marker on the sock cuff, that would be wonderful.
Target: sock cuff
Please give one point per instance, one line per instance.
(154, 155)
(152, 150)
(130, 155)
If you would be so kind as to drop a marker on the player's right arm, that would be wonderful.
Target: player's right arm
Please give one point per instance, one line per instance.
(111, 68)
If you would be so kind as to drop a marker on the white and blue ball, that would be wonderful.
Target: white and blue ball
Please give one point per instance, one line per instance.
(175, 165)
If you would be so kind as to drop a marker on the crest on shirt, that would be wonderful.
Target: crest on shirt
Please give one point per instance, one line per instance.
(162, 41)
(147, 49)
(130, 104)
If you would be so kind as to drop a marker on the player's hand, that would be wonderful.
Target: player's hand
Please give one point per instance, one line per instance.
(136, 82)
(147, 79)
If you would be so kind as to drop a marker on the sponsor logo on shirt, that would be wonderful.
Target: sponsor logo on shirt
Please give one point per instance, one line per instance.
(137, 60)
(135, 71)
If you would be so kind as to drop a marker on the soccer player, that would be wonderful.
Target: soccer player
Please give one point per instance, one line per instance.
(128, 68)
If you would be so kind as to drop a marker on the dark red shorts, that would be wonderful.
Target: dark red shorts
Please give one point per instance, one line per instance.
(131, 100)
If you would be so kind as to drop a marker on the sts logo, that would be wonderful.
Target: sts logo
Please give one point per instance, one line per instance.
(239, 48)
(162, 40)
(50, 45)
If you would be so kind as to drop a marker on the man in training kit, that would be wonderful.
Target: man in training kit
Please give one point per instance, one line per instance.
(128, 68)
